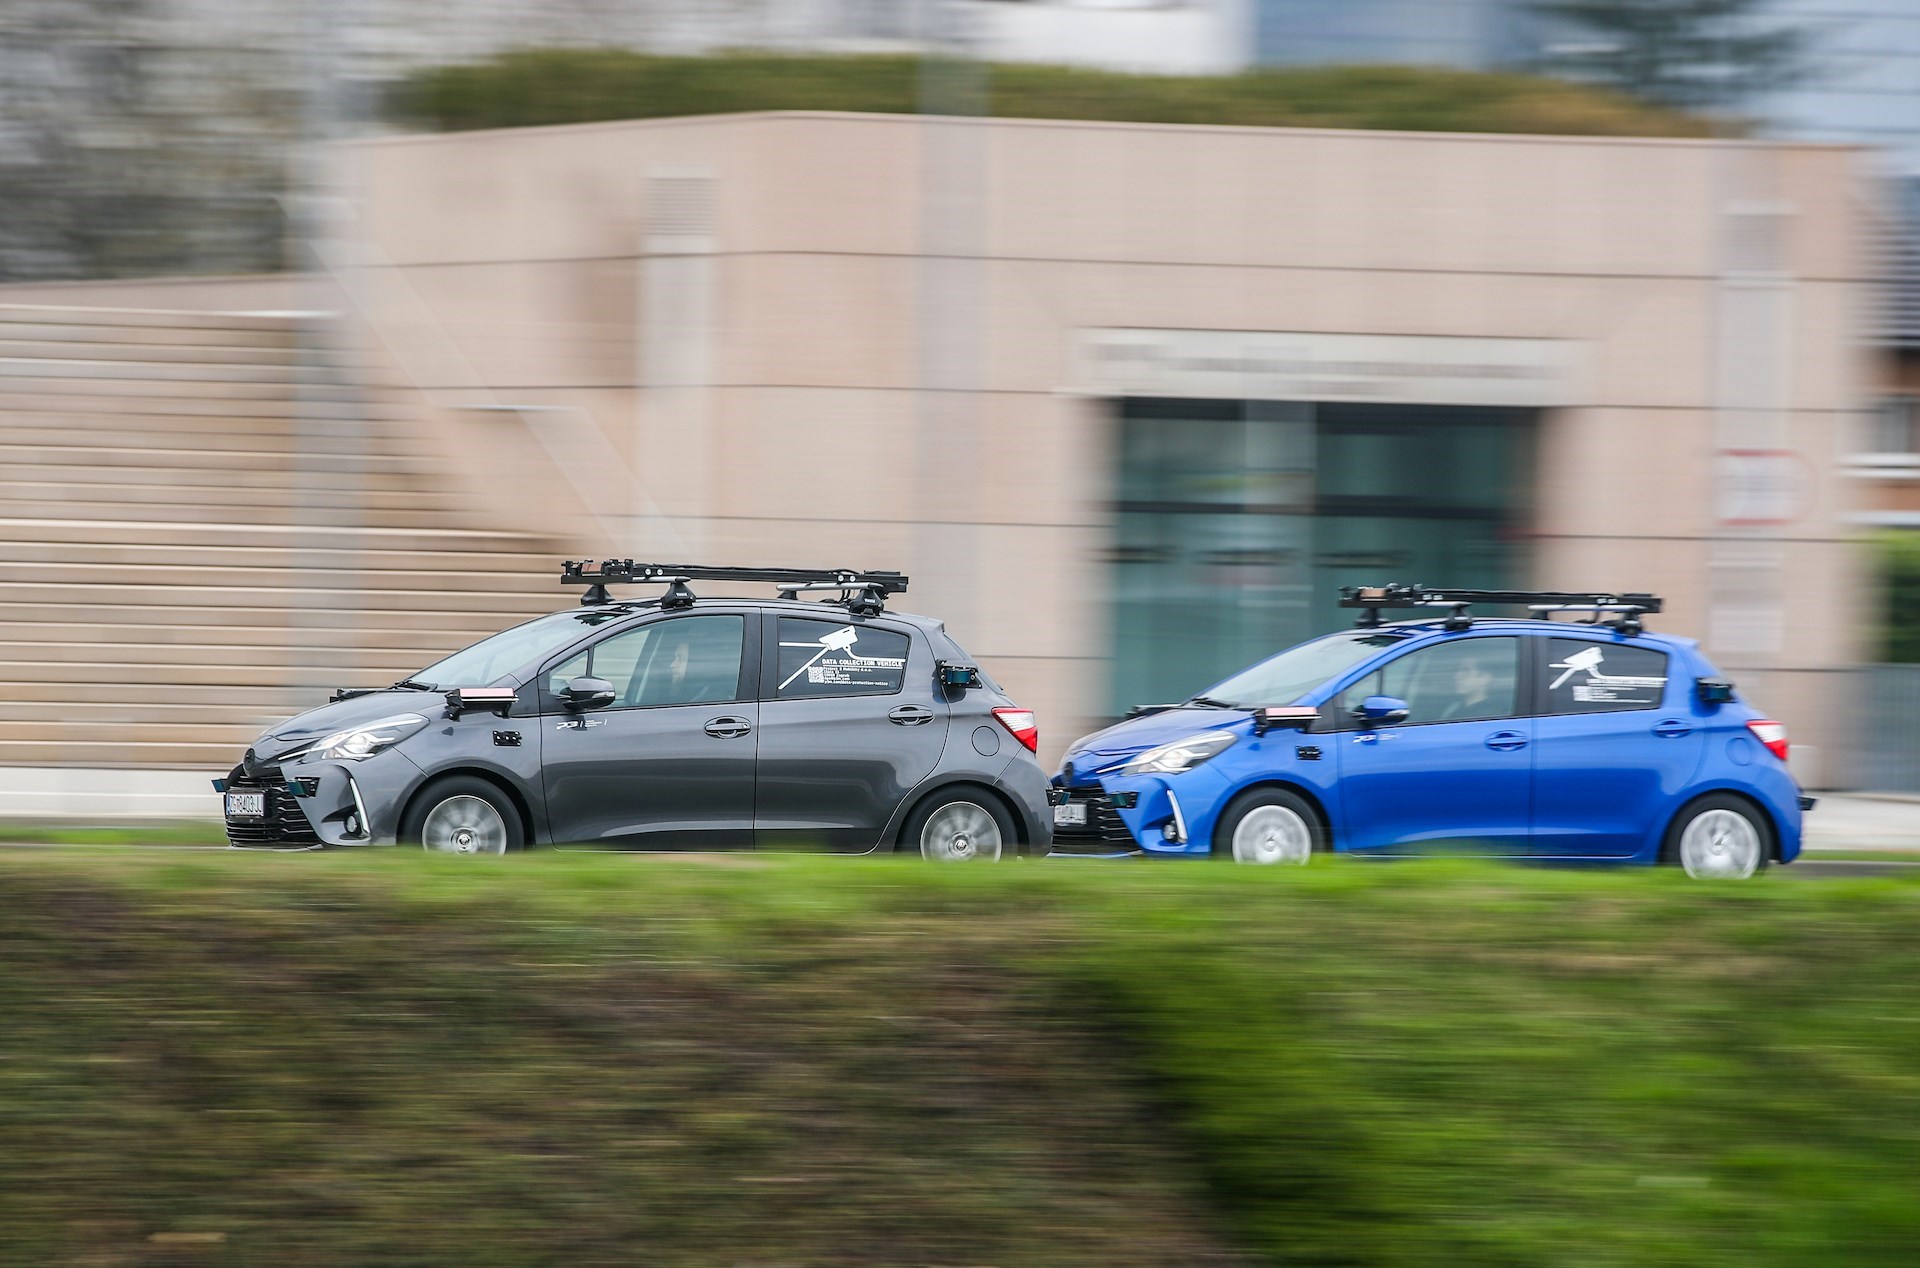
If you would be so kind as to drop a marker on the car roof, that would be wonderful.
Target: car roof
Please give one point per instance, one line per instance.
(1536, 625)
(819, 611)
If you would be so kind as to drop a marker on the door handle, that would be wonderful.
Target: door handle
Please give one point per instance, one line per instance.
(1506, 741)
(728, 728)
(911, 715)
(1672, 729)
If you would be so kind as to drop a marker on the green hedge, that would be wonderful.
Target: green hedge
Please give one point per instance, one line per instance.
(580, 85)
(1897, 554)
(584, 1060)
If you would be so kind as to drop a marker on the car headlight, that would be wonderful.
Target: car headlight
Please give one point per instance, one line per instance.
(368, 738)
(1181, 755)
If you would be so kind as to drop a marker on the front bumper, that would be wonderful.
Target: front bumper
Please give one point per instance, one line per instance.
(1159, 816)
(317, 805)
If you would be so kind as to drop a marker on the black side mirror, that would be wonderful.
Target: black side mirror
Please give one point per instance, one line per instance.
(587, 693)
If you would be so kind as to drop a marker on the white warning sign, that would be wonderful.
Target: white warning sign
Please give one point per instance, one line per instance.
(1583, 677)
(839, 663)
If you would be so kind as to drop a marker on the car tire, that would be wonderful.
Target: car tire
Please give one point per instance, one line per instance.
(463, 815)
(1264, 826)
(959, 826)
(1718, 837)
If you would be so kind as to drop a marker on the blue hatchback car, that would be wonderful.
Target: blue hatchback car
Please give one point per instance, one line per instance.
(1582, 740)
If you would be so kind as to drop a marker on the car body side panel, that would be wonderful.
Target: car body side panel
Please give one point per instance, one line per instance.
(834, 769)
(1602, 778)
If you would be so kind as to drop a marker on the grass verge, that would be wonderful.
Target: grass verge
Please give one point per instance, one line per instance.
(405, 1060)
(549, 86)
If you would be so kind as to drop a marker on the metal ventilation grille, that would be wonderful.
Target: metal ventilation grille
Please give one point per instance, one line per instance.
(680, 206)
(1898, 253)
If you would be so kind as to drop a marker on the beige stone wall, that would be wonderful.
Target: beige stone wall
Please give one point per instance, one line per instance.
(786, 327)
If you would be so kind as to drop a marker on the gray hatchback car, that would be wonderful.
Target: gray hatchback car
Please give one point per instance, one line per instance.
(673, 723)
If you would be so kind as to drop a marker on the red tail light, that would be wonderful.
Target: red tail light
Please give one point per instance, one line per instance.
(1772, 734)
(1022, 726)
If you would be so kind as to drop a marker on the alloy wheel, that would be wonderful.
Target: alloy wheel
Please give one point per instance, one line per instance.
(960, 832)
(1720, 844)
(1272, 834)
(464, 825)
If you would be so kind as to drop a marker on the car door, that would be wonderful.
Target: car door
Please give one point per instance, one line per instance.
(1456, 774)
(670, 763)
(1615, 742)
(850, 723)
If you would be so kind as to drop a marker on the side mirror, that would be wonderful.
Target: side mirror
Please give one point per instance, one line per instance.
(588, 693)
(1382, 711)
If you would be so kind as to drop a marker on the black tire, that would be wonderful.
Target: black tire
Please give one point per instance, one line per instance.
(444, 796)
(1302, 833)
(1674, 846)
(964, 808)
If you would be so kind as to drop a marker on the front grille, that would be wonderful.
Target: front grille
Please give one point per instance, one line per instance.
(1104, 833)
(283, 826)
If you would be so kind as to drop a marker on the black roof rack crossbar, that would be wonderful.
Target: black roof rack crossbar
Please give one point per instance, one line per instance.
(1373, 599)
(867, 589)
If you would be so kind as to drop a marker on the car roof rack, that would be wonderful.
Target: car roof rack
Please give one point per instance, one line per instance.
(1627, 608)
(864, 591)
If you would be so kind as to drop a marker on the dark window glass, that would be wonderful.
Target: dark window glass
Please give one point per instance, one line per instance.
(1470, 680)
(1583, 677)
(687, 660)
(830, 658)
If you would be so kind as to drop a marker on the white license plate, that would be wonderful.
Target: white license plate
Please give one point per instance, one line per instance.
(246, 805)
(1071, 815)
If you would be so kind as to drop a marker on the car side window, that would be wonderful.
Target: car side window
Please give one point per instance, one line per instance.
(685, 660)
(833, 658)
(1587, 677)
(1467, 680)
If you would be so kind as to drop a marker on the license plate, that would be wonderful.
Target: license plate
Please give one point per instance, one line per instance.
(246, 805)
(1071, 815)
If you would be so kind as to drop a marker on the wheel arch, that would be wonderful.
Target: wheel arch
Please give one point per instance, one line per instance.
(1697, 795)
(513, 795)
(912, 807)
(1303, 791)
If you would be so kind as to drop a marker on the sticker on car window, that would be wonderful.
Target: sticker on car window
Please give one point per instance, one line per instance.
(1585, 676)
(842, 660)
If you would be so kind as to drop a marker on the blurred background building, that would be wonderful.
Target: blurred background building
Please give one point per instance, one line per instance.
(292, 402)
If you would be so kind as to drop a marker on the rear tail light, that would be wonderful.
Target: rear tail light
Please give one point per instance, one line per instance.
(1020, 723)
(1772, 734)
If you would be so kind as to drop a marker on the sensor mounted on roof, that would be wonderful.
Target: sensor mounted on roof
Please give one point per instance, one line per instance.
(863, 591)
(1371, 600)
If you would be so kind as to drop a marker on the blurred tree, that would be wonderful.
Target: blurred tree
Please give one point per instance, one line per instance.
(1899, 560)
(128, 150)
(1688, 54)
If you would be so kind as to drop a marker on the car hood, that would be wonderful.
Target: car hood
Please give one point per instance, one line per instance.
(1095, 754)
(303, 729)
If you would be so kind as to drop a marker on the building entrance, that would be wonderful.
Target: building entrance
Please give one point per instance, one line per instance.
(1237, 522)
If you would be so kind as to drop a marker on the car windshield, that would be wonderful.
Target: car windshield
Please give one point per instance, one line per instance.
(492, 659)
(1283, 679)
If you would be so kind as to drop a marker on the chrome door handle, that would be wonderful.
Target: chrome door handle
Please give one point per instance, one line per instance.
(1672, 729)
(1506, 741)
(911, 715)
(728, 728)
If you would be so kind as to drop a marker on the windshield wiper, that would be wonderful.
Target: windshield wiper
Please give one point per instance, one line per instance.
(1208, 702)
(412, 684)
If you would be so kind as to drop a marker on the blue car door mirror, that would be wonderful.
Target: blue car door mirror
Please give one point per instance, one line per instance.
(1382, 711)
